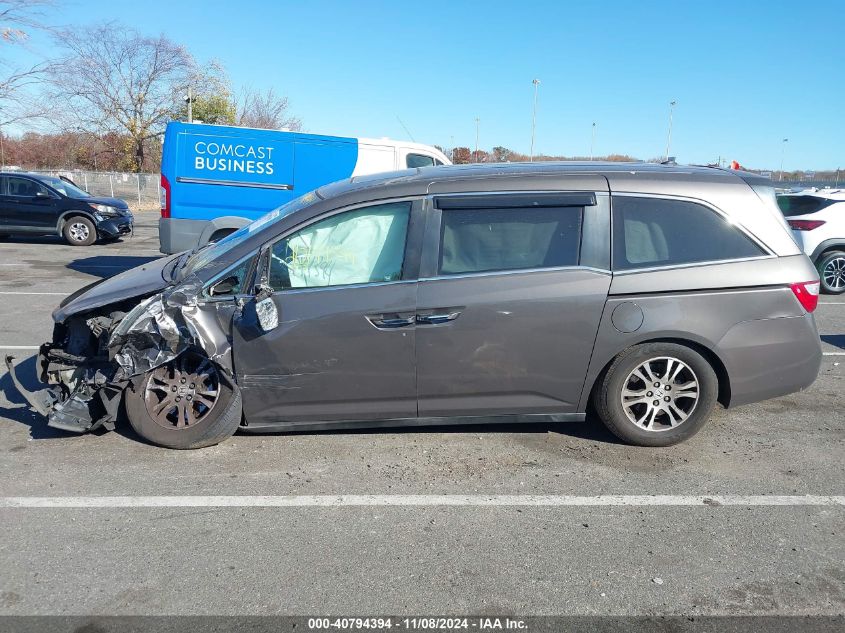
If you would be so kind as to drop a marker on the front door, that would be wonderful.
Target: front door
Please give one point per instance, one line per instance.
(28, 205)
(507, 310)
(344, 345)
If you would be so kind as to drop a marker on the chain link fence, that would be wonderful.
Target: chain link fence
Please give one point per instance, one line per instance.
(141, 191)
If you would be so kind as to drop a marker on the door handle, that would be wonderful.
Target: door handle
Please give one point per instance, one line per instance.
(436, 319)
(391, 322)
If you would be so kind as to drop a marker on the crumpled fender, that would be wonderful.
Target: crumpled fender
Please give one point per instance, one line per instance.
(156, 331)
(165, 325)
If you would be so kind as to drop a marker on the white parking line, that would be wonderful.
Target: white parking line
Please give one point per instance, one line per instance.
(58, 294)
(298, 501)
(48, 265)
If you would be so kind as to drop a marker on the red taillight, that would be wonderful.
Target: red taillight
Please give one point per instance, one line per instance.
(805, 225)
(807, 294)
(164, 194)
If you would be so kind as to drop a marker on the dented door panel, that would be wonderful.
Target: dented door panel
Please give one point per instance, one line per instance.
(329, 359)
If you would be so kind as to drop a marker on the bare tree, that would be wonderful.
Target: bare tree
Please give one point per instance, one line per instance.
(18, 18)
(265, 109)
(115, 80)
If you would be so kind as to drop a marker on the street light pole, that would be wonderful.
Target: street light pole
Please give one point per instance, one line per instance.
(593, 141)
(452, 152)
(782, 154)
(669, 137)
(536, 83)
(477, 120)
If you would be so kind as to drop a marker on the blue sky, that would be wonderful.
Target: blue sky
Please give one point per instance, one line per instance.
(745, 74)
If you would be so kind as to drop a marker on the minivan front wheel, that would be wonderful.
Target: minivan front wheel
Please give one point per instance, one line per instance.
(656, 394)
(187, 403)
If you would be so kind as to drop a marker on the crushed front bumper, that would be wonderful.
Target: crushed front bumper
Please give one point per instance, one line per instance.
(93, 404)
(95, 355)
(116, 227)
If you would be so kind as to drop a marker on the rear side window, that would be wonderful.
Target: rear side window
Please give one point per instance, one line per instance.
(657, 232)
(482, 240)
(801, 205)
(24, 187)
(418, 160)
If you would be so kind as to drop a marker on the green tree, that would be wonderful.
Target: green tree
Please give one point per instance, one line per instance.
(501, 154)
(211, 96)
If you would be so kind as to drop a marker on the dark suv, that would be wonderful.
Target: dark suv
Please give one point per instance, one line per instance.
(36, 204)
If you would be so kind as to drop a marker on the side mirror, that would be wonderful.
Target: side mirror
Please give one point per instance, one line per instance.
(224, 286)
(265, 308)
(42, 194)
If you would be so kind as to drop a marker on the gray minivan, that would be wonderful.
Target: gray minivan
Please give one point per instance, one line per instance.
(454, 294)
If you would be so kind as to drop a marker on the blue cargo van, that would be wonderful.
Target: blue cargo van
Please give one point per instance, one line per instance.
(216, 179)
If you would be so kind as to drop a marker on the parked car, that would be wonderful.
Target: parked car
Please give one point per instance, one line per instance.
(37, 204)
(454, 294)
(817, 218)
(217, 178)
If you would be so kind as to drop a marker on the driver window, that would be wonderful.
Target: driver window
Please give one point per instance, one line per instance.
(355, 247)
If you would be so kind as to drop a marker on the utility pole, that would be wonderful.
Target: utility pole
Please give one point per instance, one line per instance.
(669, 137)
(452, 152)
(593, 141)
(190, 100)
(782, 154)
(477, 121)
(536, 83)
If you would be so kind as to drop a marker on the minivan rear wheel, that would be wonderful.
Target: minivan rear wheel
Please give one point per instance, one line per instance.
(656, 394)
(832, 272)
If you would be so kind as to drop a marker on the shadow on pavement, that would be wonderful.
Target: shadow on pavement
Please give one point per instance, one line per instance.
(108, 265)
(34, 239)
(38, 429)
(592, 429)
(837, 340)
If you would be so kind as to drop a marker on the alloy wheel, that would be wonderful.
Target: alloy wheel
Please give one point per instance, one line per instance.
(660, 394)
(182, 393)
(78, 232)
(834, 273)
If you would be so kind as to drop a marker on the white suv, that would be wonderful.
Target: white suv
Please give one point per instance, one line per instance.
(817, 218)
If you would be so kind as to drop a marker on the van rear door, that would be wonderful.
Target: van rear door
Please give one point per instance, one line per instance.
(511, 292)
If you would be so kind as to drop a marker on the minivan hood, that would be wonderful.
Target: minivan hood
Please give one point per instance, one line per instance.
(111, 202)
(136, 282)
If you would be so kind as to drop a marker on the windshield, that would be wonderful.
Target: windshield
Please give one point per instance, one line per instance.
(201, 258)
(64, 187)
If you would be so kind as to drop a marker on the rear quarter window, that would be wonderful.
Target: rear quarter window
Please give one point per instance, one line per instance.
(651, 232)
(801, 205)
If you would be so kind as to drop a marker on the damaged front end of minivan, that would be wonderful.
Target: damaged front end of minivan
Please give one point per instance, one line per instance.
(95, 354)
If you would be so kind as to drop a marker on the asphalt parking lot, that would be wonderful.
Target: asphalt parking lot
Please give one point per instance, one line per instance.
(419, 552)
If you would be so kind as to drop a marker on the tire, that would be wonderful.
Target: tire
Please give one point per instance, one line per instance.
(216, 424)
(831, 268)
(666, 427)
(79, 231)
